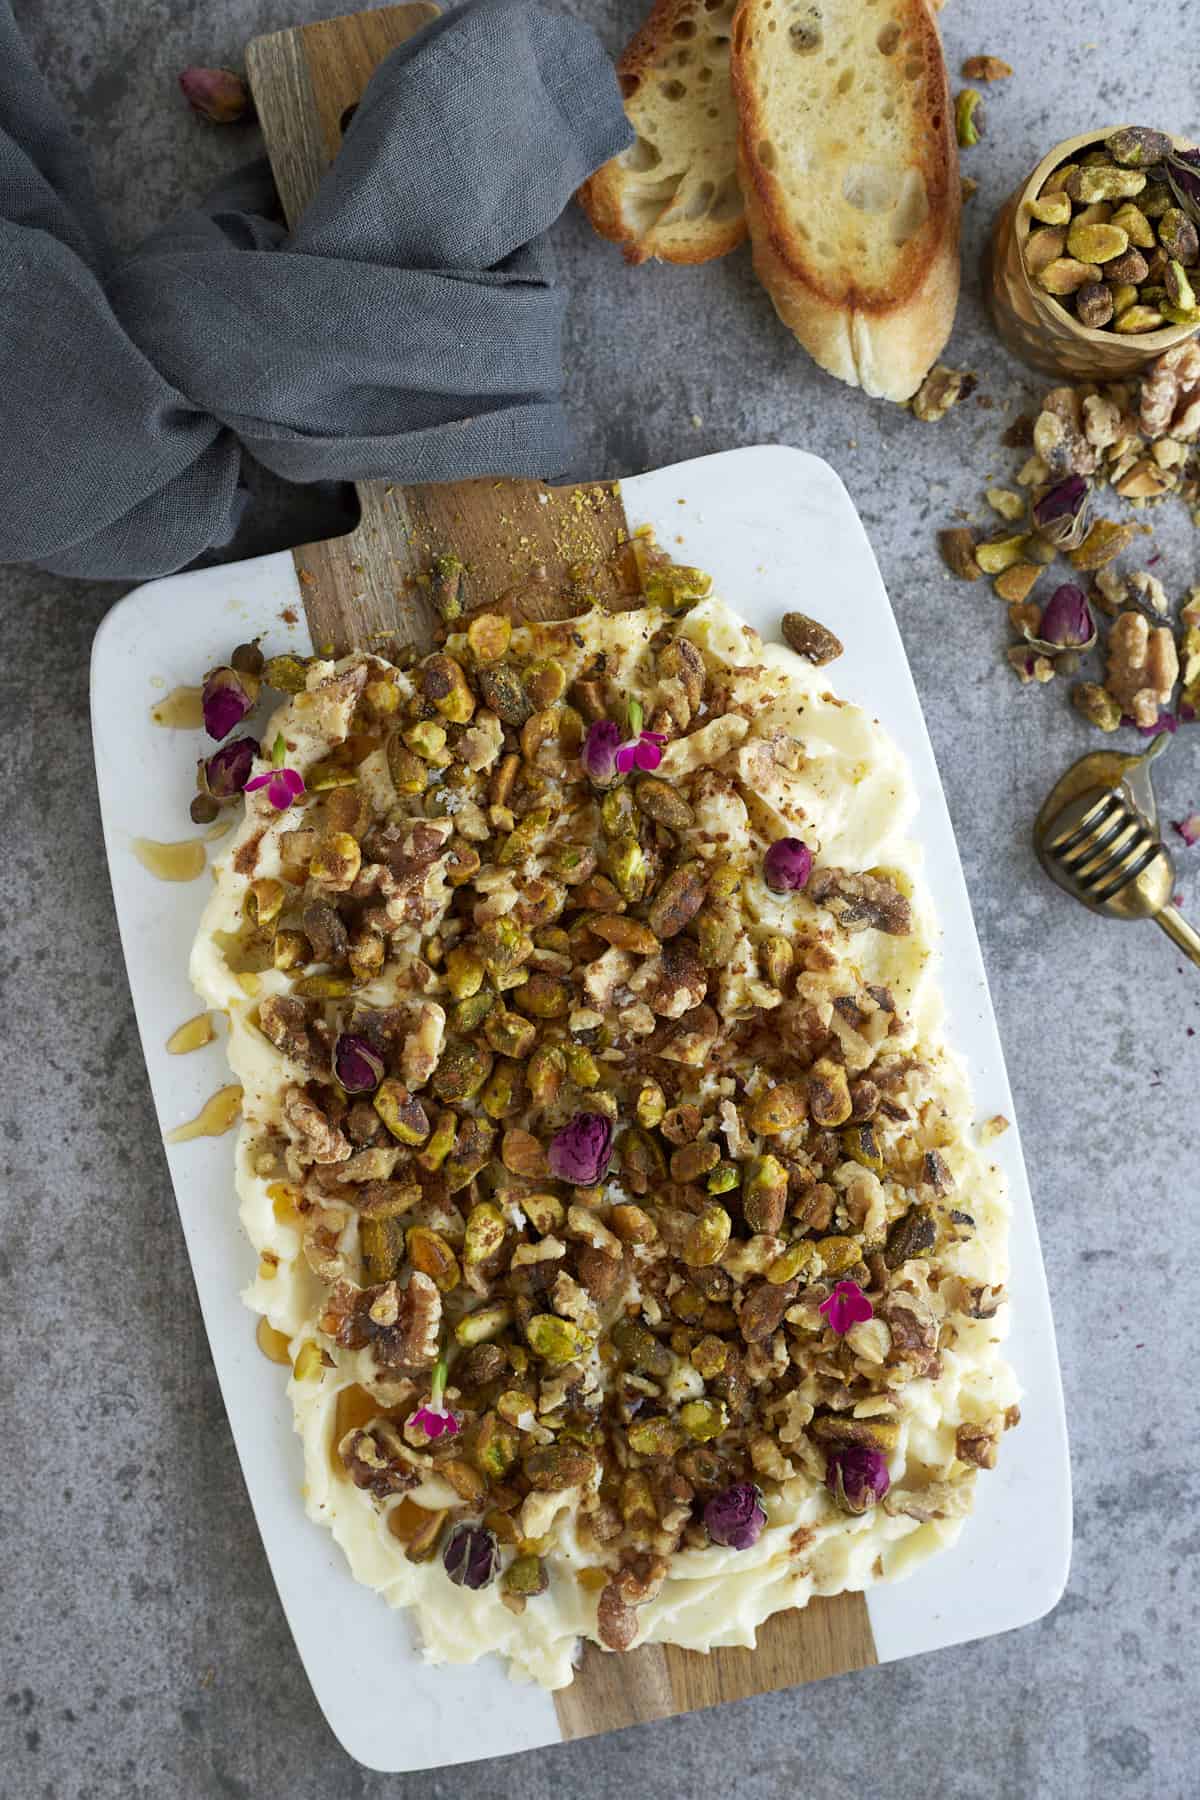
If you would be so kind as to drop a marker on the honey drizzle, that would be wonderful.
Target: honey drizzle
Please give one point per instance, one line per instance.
(192, 1035)
(215, 1118)
(171, 862)
(180, 710)
(272, 1343)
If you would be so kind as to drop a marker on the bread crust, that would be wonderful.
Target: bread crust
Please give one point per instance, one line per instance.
(882, 339)
(604, 196)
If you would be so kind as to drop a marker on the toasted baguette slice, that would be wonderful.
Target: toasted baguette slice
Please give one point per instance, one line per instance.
(674, 194)
(849, 167)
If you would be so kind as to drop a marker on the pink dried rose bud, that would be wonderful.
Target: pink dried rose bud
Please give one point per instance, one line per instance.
(225, 699)
(735, 1518)
(1188, 829)
(1067, 622)
(471, 1557)
(845, 1307)
(218, 95)
(787, 865)
(356, 1065)
(581, 1151)
(1058, 512)
(225, 773)
(857, 1477)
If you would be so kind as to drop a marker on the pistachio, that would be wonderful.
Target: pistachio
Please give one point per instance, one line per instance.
(809, 639)
(1137, 227)
(1017, 583)
(1156, 200)
(838, 1254)
(1051, 209)
(829, 1102)
(381, 1242)
(336, 860)
(544, 1075)
(1124, 296)
(631, 1224)
(558, 1467)
(502, 1093)
(464, 971)
(663, 803)
(1131, 267)
(1001, 553)
(791, 1262)
(461, 1072)
(1178, 235)
(440, 1142)
(706, 1237)
(1103, 543)
(968, 118)
(640, 1350)
(286, 674)
(485, 1233)
(522, 842)
(957, 546)
(703, 1419)
(545, 682)
(508, 1034)
(1104, 181)
(526, 1577)
(678, 900)
(656, 1437)
(556, 1340)
(1096, 243)
(502, 690)
(496, 1443)
(290, 950)
(1180, 291)
(483, 1325)
(442, 683)
(582, 1066)
(322, 987)
(1139, 318)
(1044, 247)
(489, 635)
(862, 1146)
(627, 866)
(544, 1212)
(777, 1109)
(544, 997)
(1136, 147)
(447, 584)
(724, 1178)
(403, 1115)
(691, 1161)
(911, 1235)
(624, 933)
(1094, 305)
(764, 1194)
(1066, 276)
(470, 1013)
(429, 1252)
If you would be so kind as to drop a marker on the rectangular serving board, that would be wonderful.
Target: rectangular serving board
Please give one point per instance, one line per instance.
(777, 530)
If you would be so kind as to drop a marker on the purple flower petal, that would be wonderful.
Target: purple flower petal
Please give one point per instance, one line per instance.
(435, 1422)
(1166, 721)
(227, 769)
(225, 699)
(624, 760)
(282, 785)
(787, 865)
(581, 1151)
(735, 1518)
(358, 1067)
(600, 750)
(846, 1306)
(857, 1476)
(647, 752)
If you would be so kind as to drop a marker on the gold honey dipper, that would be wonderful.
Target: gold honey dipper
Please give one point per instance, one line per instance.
(1097, 837)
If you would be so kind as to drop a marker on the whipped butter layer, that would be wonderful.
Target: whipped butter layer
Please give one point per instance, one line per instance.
(758, 748)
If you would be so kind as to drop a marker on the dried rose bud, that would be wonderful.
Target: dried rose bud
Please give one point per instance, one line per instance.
(787, 865)
(735, 1518)
(581, 1151)
(600, 752)
(857, 1476)
(356, 1065)
(225, 699)
(219, 95)
(1188, 829)
(225, 773)
(1060, 512)
(1067, 621)
(471, 1557)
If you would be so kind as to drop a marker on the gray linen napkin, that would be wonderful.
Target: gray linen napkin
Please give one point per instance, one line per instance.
(409, 328)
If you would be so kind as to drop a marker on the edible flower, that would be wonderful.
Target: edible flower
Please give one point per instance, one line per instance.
(787, 865)
(1059, 512)
(435, 1418)
(356, 1065)
(846, 1306)
(282, 785)
(606, 754)
(225, 699)
(471, 1557)
(1188, 829)
(857, 1476)
(1067, 623)
(580, 1152)
(218, 95)
(735, 1517)
(1166, 721)
(227, 770)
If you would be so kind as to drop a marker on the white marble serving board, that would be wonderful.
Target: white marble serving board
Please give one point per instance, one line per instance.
(777, 530)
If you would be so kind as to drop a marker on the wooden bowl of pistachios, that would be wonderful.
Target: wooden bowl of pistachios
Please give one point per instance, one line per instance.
(1095, 267)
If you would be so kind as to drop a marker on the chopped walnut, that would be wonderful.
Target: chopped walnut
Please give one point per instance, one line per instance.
(979, 1444)
(1170, 393)
(308, 1125)
(941, 389)
(857, 901)
(1143, 667)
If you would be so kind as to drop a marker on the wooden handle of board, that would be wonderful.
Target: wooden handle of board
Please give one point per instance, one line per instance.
(371, 587)
(367, 587)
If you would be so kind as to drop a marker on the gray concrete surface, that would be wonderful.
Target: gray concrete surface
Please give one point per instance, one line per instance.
(142, 1648)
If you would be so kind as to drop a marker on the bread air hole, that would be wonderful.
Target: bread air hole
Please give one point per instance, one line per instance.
(641, 156)
(914, 68)
(912, 208)
(648, 207)
(888, 38)
(686, 28)
(766, 154)
(871, 187)
(674, 90)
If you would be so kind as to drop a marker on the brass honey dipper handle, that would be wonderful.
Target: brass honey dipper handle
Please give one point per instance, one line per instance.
(1097, 838)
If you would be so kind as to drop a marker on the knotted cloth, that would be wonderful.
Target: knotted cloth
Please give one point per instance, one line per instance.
(409, 328)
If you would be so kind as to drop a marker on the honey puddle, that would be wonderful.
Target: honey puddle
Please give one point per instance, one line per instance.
(180, 710)
(215, 1117)
(272, 1343)
(171, 862)
(191, 1036)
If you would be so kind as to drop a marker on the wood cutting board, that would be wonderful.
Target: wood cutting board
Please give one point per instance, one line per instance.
(371, 588)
